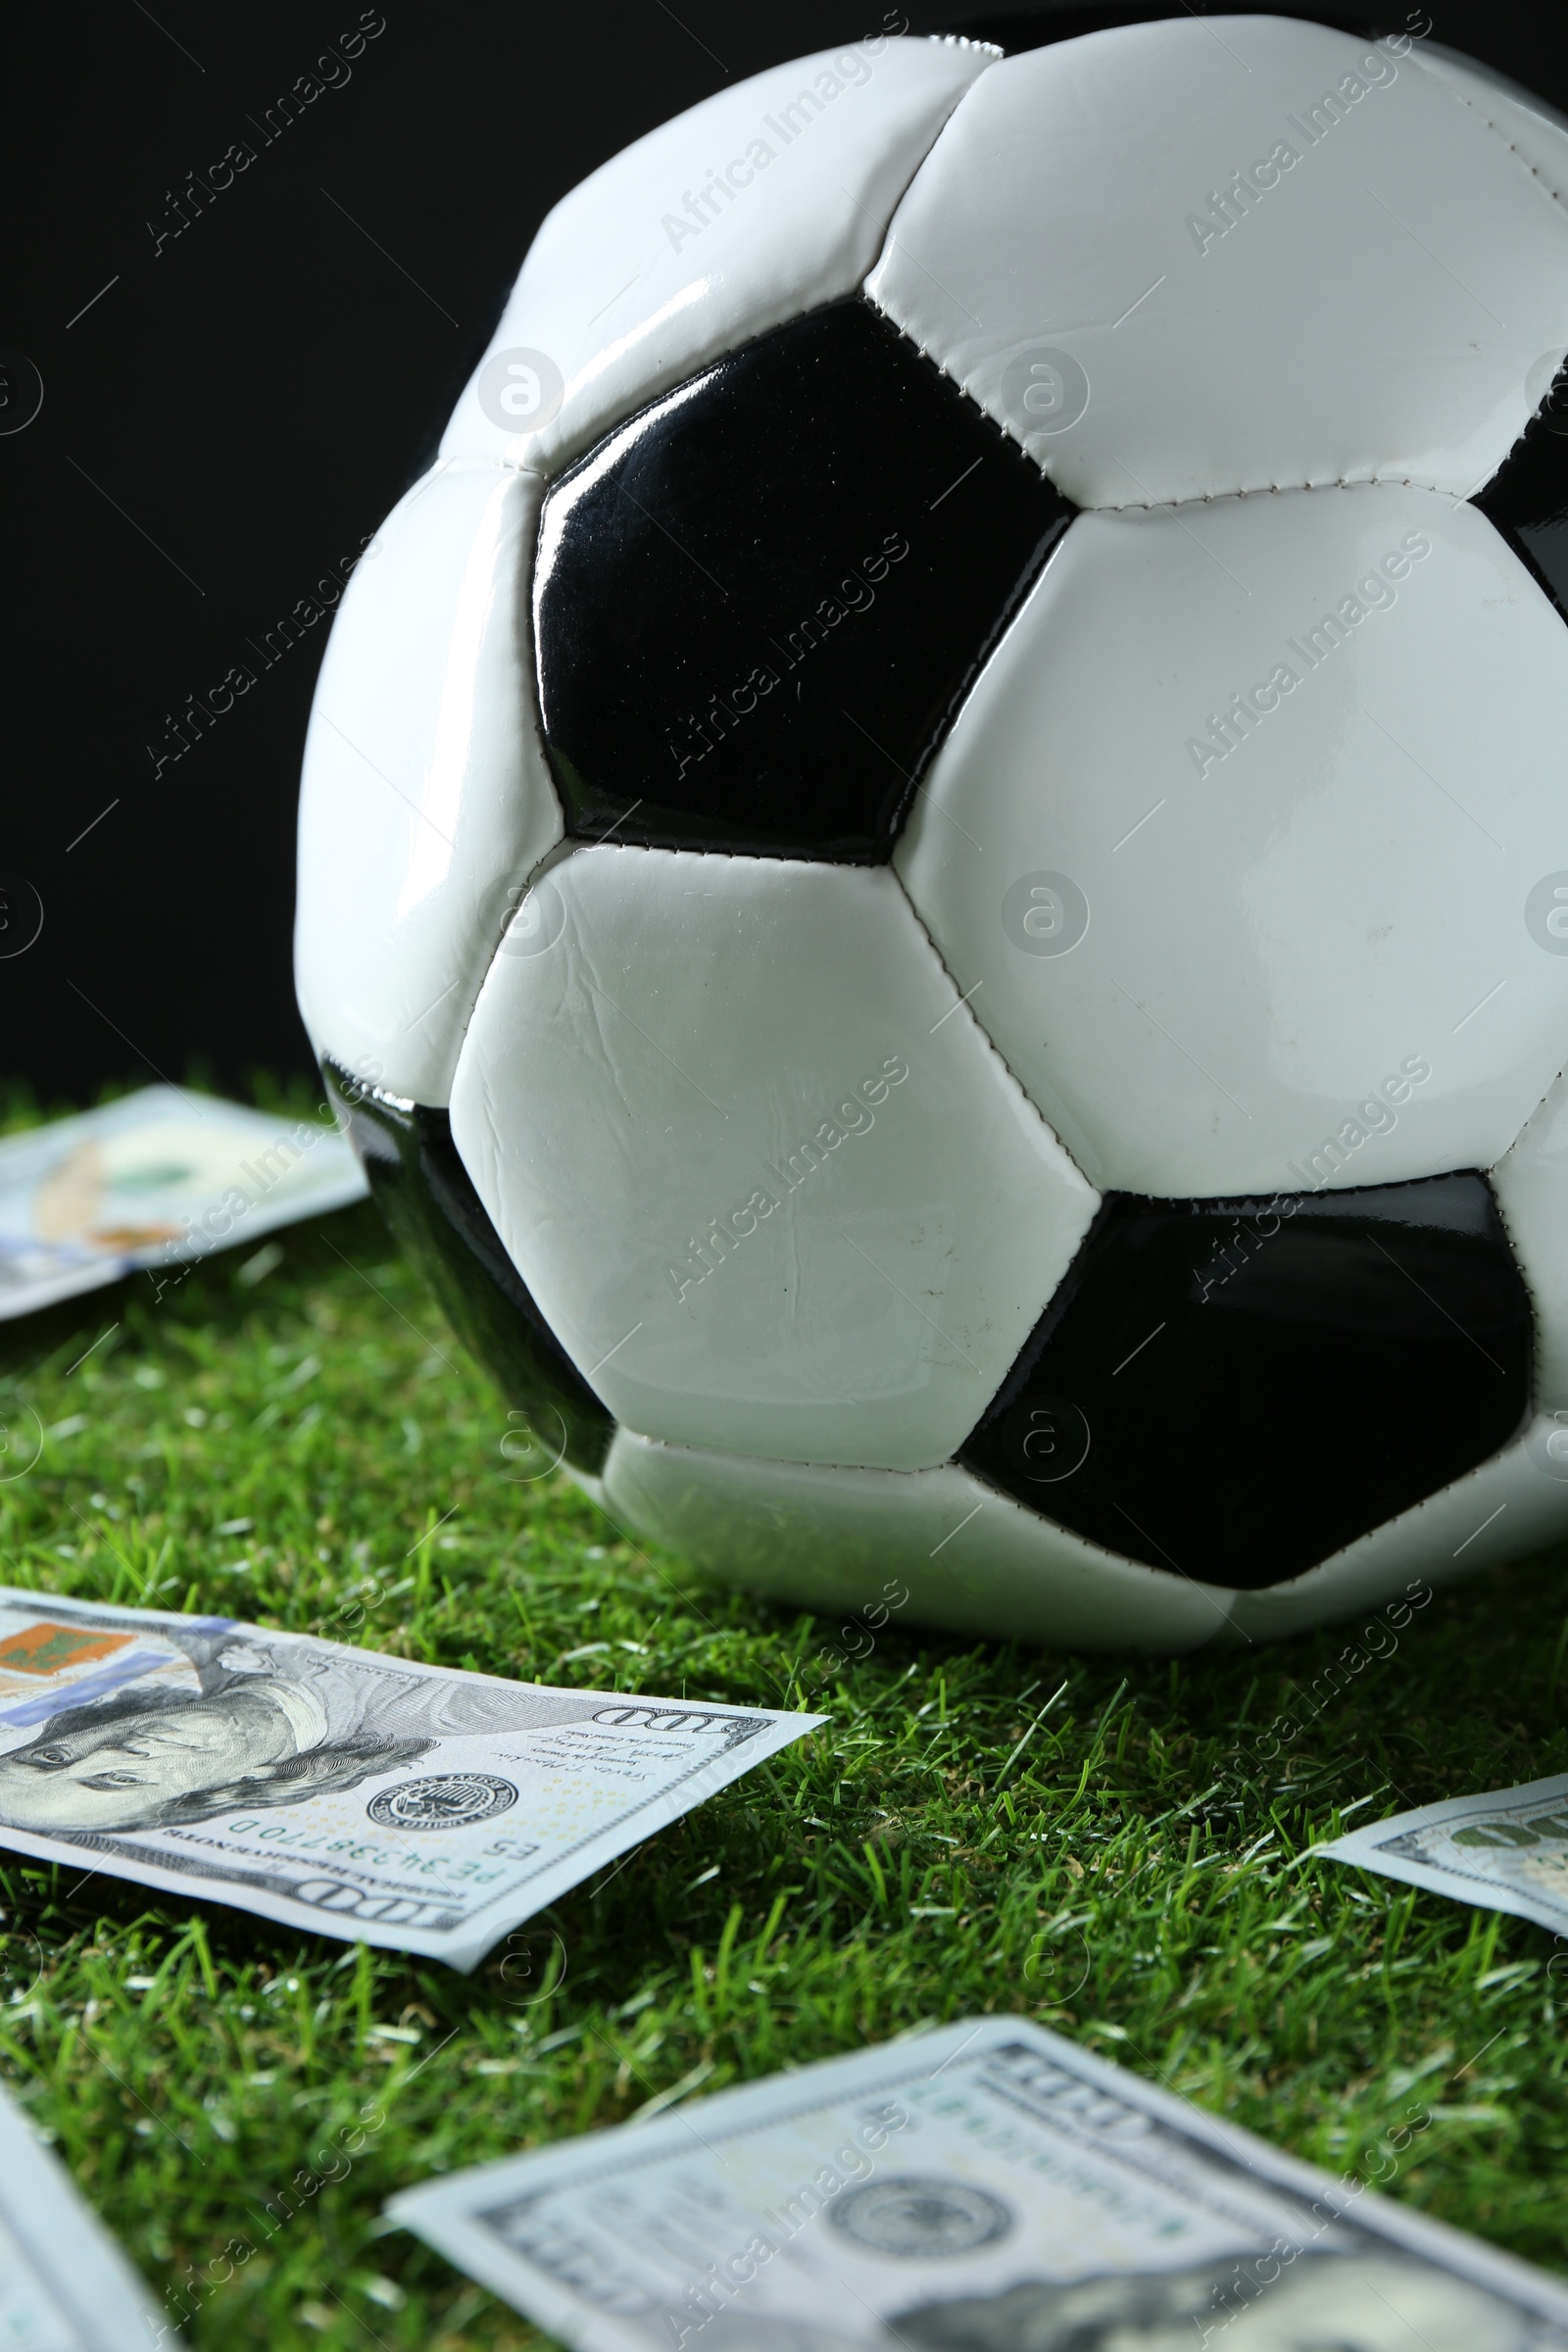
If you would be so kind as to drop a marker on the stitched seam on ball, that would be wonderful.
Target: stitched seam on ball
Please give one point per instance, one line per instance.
(996, 424)
(790, 1461)
(1514, 1140)
(955, 1462)
(1208, 498)
(1008, 1075)
(1202, 498)
(1533, 169)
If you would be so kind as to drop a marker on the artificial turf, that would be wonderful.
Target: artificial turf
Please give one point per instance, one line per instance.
(1117, 1847)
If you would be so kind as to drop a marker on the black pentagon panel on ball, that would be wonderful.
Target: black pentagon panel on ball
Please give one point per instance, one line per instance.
(428, 1198)
(1235, 1389)
(1527, 498)
(758, 604)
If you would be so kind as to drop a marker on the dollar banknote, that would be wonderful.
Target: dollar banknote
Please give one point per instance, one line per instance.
(329, 1787)
(987, 2188)
(158, 1179)
(64, 2286)
(1507, 1850)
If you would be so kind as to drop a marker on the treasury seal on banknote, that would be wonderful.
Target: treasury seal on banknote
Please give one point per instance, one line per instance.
(444, 1800)
(921, 2214)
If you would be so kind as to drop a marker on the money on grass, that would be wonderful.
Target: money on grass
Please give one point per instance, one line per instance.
(64, 2286)
(987, 2188)
(157, 1180)
(328, 1787)
(1507, 1850)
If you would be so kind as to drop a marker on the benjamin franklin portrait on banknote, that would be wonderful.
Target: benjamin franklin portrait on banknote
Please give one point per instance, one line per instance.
(273, 1719)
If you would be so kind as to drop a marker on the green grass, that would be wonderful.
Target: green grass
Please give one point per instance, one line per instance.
(1116, 1862)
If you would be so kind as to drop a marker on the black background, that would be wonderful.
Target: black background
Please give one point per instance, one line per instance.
(249, 400)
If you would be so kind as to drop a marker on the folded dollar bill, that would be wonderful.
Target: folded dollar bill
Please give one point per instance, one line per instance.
(64, 2286)
(328, 1787)
(158, 1179)
(985, 2189)
(1507, 1850)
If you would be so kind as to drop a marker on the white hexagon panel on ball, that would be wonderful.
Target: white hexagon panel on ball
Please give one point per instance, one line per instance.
(766, 201)
(1237, 837)
(1175, 263)
(426, 801)
(767, 1177)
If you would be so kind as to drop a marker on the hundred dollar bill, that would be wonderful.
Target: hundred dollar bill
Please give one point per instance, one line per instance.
(985, 2189)
(156, 1180)
(1506, 1851)
(367, 1797)
(64, 2286)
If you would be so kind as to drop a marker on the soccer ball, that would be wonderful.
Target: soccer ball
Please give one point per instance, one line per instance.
(934, 857)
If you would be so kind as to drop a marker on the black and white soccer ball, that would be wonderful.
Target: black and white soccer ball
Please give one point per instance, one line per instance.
(934, 857)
